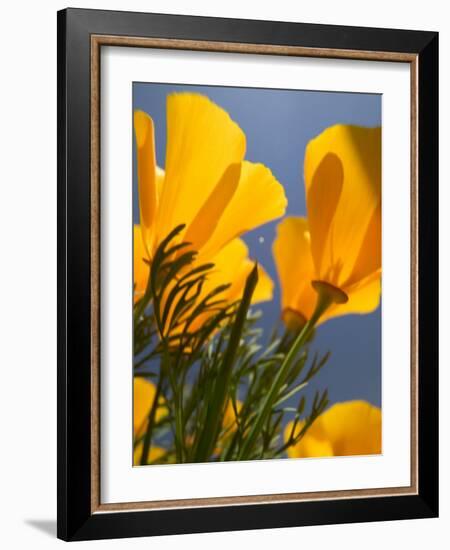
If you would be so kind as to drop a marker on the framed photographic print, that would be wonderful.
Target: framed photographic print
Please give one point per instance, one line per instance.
(247, 253)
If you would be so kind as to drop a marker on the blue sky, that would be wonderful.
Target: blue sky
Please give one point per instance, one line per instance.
(278, 125)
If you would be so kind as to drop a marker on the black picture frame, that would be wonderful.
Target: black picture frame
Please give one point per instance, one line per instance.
(76, 520)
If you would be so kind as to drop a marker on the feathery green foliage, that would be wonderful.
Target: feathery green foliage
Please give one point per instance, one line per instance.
(212, 369)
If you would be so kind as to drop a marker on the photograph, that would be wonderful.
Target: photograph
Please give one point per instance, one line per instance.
(257, 274)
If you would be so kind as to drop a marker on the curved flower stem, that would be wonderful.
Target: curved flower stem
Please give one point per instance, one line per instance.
(326, 295)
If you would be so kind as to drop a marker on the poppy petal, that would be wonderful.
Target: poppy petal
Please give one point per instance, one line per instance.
(207, 218)
(258, 199)
(345, 429)
(202, 141)
(140, 268)
(147, 175)
(354, 427)
(233, 265)
(295, 268)
(143, 395)
(363, 298)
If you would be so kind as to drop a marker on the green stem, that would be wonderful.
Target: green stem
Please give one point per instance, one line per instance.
(177, 403)
(324, 300)
(179, 428)
(151, 421)
(204, 446)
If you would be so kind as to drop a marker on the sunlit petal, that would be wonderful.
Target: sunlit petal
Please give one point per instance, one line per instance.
(232, 266)
(293, 260)
(144, 395)
(202, 141)
(368, 260)
(363, 298)
(160, 176)
(147, 175)
(207, 218)
(264, 288)
(140, 268)
(309, 446)
(259, 199)
(343, 191)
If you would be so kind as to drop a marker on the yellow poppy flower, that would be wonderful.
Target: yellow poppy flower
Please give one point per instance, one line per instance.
(207, 186)
(349, 428)
(339, 243)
